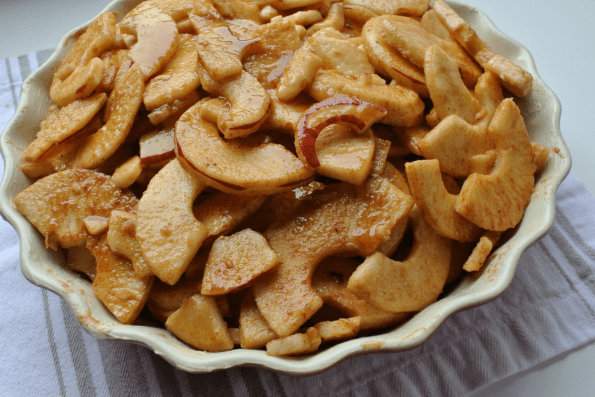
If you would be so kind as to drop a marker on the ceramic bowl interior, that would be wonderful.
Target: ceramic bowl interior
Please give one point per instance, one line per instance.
(43, 267)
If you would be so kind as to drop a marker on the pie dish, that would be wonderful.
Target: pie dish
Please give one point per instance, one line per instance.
(42, 267)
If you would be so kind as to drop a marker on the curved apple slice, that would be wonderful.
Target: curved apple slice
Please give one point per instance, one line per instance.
(497, 201)
(168, 233)
(447, 90)
(337, 219)
(62, 124)
(97, 38)
(513, 77)
(79, 84)
(250, 103)
(335, 19)
(300, 72)
(436, 203)
(125, 101)
(401, 7)
(403, 105)
(178, 79)
(220, 51)
(116, 284)
(266, 169)
(156, 38)
(462, 149)
(391, 63)
(57, 204)
(344, 154)
(409, 285)
(408, 37)
(330, 282)
(339, 109)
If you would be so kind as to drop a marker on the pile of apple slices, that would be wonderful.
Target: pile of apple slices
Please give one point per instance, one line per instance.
(279, 174)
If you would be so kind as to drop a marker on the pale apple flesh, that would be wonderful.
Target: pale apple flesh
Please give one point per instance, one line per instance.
(266, 169)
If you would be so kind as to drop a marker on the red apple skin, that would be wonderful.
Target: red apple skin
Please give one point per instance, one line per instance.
(413, 80)
(307, 134)
(157, 148)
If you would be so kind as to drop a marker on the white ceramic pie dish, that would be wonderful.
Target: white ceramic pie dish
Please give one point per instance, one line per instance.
(541, 111)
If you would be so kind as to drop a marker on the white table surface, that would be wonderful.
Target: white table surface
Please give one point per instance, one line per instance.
(561, 37)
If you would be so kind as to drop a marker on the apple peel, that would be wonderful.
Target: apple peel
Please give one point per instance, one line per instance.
(339, 109)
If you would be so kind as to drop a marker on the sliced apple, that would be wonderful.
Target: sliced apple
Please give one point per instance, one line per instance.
(401, 7)
(343, 328)
(411, 284)
(220, 51)
(344, 154)
(97, 38)
(62, 124)
(254, 329)
(408, 37)
(121, 239)
(404, 107)
(177, 80)
(339, 109)
(391, 63)
(57, 204)
(436, 203)
(498, 200)
(156, 38)
(125, 99)
(265, 169)
(343, 55)
(249, 102)
(168, 233)
(462, 149)
(96, 224)
(221, 212)
(127, 172)
(285, 115)
(199, 323)
(166, 299)
(157, 146)
(300, 72)
(330, 282)
(335, 18)
(295, 344)
(116, 284)
(173, 109)
(447, 90)
(235, 261)
(513, 77)
(336, 219)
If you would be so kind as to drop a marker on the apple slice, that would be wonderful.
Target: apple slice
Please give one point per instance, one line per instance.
(220, 51)
(57, 204)
(156, 38)
(398, 7)
(338, 109)
(265, 169)
(157, 146)
(236, 261)
(168, 233)
(250, 103)
(403, 105)
(391, 63)
(116, 284)
(199, 323)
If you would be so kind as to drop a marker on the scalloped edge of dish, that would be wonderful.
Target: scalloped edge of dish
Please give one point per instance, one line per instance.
(42, 267)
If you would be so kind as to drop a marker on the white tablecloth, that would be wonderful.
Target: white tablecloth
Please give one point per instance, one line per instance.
(548, 309)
